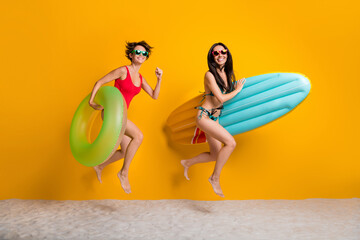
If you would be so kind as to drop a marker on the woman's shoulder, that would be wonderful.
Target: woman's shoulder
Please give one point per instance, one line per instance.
(208, 73)
(209, 76)
(122, 69)
(121, 72)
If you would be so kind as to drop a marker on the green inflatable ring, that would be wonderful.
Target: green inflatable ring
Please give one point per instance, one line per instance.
(112, 129)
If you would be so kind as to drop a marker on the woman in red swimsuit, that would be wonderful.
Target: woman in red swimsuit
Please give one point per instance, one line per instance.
(129, 81)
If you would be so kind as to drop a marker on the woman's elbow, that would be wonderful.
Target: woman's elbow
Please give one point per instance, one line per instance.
(99, 83)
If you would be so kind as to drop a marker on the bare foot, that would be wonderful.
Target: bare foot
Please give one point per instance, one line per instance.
(186, 168)
(216, 186)
(98, 172)
(124, 181)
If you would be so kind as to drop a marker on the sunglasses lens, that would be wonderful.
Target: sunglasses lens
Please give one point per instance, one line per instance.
(145, 54)
(215, 53)
(223, 52)
(137, 52)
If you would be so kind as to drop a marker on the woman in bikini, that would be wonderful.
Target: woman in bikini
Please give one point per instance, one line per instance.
(129, 82)
(220, 86)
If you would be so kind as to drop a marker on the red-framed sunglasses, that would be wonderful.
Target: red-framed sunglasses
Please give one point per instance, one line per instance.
(216, 53)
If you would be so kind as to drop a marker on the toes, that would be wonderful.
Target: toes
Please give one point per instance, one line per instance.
(216, 187)
(185, 169)
(186, 176)
(98, 173)
(124, 182)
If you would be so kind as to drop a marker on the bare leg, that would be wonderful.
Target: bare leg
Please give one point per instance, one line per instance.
(136, 139)
(216, 131)
(215, 147)
(119, 154)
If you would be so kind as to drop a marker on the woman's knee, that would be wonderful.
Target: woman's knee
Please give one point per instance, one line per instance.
(231, 143)
(139, 136)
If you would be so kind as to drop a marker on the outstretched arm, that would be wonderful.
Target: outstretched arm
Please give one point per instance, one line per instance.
(114, 74)
(154, 93)
(211, 83)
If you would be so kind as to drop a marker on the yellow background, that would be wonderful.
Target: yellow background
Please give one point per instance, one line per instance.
(52, 53)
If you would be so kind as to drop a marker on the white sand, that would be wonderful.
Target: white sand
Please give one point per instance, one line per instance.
(180, 219)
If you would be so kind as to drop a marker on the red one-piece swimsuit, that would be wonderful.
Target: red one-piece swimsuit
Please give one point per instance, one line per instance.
(127, 87)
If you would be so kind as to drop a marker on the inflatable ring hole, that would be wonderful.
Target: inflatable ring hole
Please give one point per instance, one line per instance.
(95, 124)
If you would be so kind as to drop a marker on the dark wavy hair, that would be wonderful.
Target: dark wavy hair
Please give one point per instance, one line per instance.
(130, 46)
(228, 69)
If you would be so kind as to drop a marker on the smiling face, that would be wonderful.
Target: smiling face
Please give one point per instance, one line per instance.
(221, 58)
(138, 58)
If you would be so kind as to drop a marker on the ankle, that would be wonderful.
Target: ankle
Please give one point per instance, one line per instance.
(123, 173)
(99, 167)
(214, 178)
(186, 163)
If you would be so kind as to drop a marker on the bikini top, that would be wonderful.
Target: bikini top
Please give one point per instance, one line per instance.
(210, 94)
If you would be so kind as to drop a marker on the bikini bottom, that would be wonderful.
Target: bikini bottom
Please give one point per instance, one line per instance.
(209, 112)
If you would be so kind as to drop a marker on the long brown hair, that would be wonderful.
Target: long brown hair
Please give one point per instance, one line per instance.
(228, 69)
